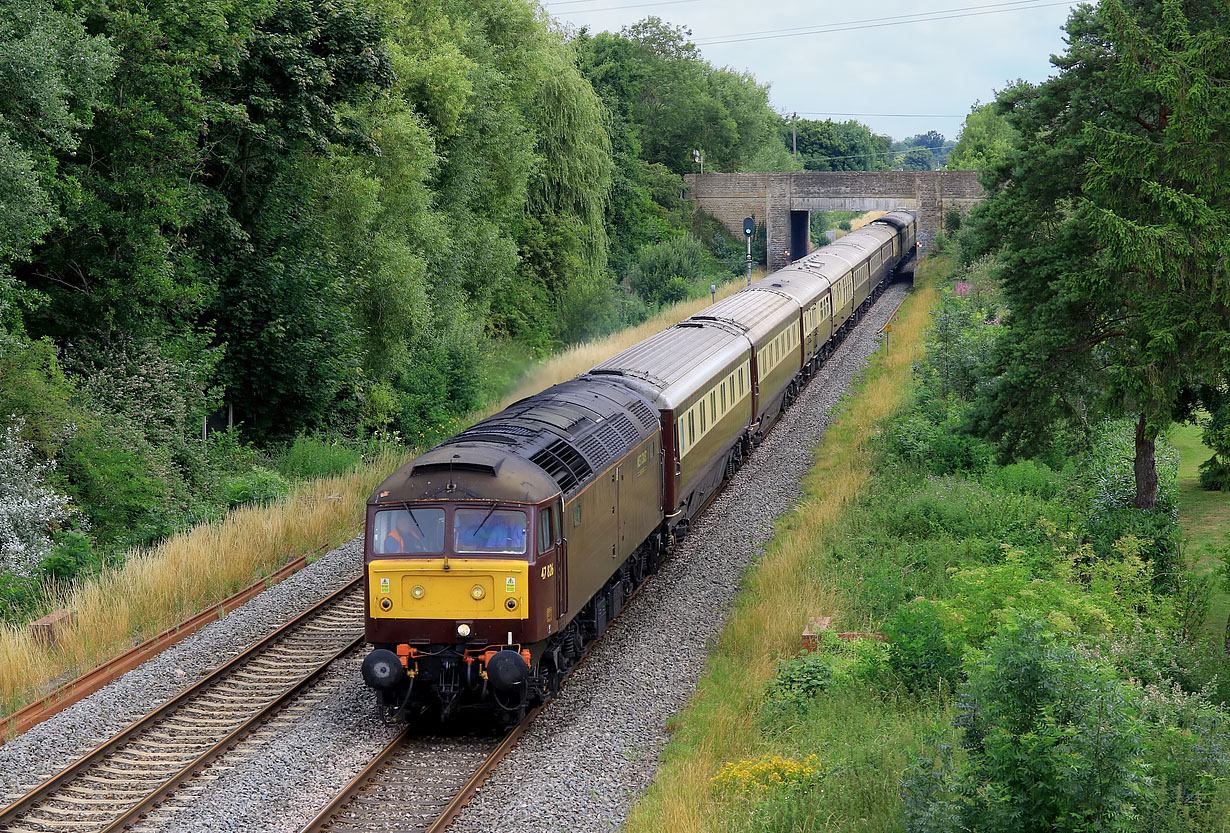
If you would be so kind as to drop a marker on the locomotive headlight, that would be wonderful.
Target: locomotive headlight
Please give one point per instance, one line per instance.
(511, 604)
(418, 592)
(386, 604)
(463, 630)
(478, 592)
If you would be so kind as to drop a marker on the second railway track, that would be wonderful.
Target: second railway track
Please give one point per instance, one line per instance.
(112, 787)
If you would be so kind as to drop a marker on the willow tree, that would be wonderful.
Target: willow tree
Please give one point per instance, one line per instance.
(1113, 220)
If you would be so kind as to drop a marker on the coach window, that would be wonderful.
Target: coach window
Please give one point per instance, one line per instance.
(723, 396)
(713, 411)
(691, 429)
(704, 422)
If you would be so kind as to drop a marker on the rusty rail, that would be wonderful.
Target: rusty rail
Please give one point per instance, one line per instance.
(76, 690)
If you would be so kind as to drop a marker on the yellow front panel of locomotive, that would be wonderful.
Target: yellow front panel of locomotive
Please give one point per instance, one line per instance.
(470, 588)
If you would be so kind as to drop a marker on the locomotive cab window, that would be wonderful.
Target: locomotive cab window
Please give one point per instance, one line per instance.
(545, 532)
(489, 531)
(409, 531)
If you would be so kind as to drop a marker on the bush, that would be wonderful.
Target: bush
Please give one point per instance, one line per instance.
(1157, 532)
(920, 652)
(1027, 477)
(798, 680)
(260, 485)
(671, 270)
(1052, 742)
(941, 447)
(1215, 475)
(310, 456)
(115, 475)
(30, 510)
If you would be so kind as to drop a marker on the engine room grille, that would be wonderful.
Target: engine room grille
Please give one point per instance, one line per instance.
(644, 413)
(498, 433)
(563, 463)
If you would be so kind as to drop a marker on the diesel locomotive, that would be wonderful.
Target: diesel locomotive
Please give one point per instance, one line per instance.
(492, 559)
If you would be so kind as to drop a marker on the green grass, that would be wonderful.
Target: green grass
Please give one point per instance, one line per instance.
(1204, 518)
(865, 739)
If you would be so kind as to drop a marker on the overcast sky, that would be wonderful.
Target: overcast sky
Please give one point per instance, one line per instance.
(935, 68)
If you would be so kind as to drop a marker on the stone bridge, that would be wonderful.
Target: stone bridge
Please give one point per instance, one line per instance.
(784, 201)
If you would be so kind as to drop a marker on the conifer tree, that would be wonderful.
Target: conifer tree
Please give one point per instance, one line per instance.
(1112, 216)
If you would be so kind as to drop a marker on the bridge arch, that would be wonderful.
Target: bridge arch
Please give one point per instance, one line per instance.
(784, 201)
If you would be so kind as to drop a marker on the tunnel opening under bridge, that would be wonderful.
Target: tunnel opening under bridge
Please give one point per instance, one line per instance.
(800, 234)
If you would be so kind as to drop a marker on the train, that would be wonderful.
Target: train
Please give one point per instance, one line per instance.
(491, 560)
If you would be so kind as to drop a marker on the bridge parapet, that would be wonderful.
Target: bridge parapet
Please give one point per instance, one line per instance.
(780, 199)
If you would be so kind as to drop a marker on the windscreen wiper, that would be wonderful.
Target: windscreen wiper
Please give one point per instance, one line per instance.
(485, 517)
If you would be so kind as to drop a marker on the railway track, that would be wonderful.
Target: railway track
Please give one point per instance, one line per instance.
(421, 784)
(415, 785)
(120, 782)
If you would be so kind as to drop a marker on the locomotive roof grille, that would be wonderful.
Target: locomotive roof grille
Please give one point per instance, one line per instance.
(564, 464)
(646, 414)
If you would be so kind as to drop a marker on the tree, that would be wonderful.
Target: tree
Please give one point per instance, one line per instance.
(839, 146)
(917, 159)
(986, 138)
(1112, 216)
(51, 70)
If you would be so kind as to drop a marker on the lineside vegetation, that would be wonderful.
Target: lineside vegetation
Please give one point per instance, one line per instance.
(1045, 661)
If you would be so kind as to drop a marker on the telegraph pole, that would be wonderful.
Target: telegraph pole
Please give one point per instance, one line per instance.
(794, 135)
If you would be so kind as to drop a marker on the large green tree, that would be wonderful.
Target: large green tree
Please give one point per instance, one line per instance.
(986, 137)
(1113, 219)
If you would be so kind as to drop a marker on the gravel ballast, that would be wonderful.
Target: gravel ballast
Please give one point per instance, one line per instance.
(32, 758)
(584, 761)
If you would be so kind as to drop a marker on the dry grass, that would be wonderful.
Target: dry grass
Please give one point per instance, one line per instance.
(719, 724)
(576, 360)
(160, 587)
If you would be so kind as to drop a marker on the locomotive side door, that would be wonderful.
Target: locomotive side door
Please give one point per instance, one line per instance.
(555, 535)
(618, 478)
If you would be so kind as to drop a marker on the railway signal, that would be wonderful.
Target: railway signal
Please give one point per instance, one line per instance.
(749, 229)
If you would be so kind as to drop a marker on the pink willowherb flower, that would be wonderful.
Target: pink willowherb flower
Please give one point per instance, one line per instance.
(963, 288)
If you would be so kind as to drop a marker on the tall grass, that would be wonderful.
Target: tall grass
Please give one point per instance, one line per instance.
(780, 594)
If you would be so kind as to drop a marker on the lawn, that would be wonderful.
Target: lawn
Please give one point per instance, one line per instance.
(1204, 518)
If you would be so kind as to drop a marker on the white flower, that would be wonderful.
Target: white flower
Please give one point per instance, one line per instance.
(29, 510)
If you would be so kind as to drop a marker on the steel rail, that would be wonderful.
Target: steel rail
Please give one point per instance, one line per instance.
(78, 689)
(23, 805)
(138, 811)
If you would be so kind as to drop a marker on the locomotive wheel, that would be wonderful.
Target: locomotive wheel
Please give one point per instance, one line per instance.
(553, 668)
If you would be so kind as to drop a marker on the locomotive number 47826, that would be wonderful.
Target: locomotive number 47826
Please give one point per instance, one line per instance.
(548, 571)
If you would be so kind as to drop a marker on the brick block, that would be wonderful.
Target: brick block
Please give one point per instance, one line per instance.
(47, 631)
